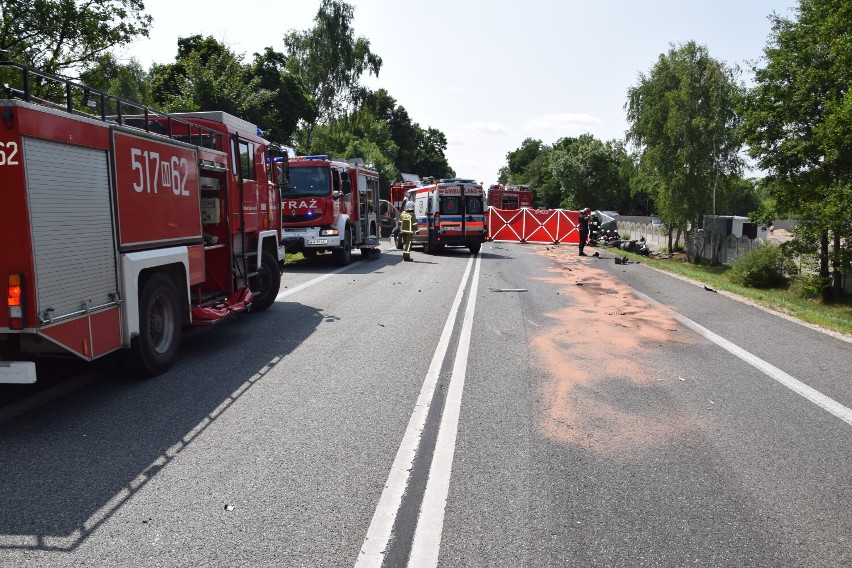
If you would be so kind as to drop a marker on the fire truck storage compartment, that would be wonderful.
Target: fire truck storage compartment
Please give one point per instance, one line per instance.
(210, 210)
(72, 229)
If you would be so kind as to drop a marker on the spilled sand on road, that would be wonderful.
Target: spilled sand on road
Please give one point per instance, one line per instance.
(599, 392)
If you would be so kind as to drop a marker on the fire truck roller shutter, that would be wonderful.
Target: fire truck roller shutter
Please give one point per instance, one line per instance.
(72, 229)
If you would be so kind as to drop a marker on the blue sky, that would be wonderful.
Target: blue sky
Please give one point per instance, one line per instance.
(491, 74)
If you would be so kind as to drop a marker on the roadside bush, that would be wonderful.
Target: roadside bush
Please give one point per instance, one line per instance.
(761, 268)
(809, 286)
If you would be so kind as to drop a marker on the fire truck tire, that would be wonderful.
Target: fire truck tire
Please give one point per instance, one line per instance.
(155, 348)
(266, 284)
(343, 254)
(474, 248)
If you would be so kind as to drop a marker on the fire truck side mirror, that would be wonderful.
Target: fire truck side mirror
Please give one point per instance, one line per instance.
(347, 186)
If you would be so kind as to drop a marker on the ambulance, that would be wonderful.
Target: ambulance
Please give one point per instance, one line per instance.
(449, 213)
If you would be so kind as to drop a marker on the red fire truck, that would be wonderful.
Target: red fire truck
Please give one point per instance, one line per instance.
(509, 196)
(331, 205)
(119, 228)
(449, 213)
(398, 191)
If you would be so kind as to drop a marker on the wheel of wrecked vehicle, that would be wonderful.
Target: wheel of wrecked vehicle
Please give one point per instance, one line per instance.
(474, 248)
(397, 241)
(343, 254)
(155, 348)
(266, 284)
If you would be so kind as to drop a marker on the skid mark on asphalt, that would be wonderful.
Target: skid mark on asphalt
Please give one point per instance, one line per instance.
(600, 394)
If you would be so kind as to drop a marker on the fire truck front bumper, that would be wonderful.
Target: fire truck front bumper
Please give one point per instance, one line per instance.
(292, 243)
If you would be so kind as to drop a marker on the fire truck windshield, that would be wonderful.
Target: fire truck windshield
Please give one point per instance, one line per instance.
(307, 181)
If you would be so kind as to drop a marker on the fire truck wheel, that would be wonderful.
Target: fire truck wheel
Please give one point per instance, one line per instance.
(155, 348)
(343, 254)
(266, 284)
(474, 248)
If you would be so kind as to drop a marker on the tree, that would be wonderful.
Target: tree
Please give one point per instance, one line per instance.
(290, 102)
(218, 81)
(683, 121)
(798, 125)
(381, 132)
(128, 81)
(330, 60)
(64, 36)
(530, 165)
(588, 172)
(167, 78)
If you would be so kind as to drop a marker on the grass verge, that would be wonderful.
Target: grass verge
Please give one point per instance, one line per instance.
(836, 316)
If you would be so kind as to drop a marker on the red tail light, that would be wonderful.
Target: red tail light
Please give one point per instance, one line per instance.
(14, 300)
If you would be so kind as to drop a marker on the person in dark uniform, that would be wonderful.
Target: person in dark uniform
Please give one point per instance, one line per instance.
(583, 227)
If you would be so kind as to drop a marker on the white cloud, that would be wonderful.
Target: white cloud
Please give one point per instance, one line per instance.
(561, 122)
(488, 127)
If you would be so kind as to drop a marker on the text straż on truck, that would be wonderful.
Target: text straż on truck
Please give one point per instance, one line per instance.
(331, 205)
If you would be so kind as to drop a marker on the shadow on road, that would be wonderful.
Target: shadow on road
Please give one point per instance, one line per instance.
(69, 465)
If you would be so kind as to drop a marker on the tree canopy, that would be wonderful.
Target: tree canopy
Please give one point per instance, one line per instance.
(66, 36)
(798, 125)
(683, 119)
(331, 60)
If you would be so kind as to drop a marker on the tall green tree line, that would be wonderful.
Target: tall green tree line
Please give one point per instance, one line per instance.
(798, 125)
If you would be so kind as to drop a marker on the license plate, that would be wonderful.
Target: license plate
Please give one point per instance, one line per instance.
(318, 242)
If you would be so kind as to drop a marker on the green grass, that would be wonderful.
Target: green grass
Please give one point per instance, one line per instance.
(836, 316)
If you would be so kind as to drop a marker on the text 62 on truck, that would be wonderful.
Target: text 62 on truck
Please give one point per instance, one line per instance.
(449, 213)
(331, 205)
(120, 228)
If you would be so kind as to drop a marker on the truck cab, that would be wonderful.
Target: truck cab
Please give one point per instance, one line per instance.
(330, 205)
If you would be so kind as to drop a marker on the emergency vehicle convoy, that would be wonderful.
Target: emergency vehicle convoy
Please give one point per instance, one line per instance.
(331, 205)
(119, 228)
(449, 213)
(509, 196)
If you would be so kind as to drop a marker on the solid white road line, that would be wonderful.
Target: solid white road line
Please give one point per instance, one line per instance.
(828, 404)
(379, 532)
(309, 283)
(430, 524)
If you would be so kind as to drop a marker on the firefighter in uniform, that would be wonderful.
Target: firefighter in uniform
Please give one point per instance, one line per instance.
(407, 228)
(583, 227)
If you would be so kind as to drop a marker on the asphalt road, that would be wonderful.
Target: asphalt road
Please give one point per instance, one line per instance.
(524, 407)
